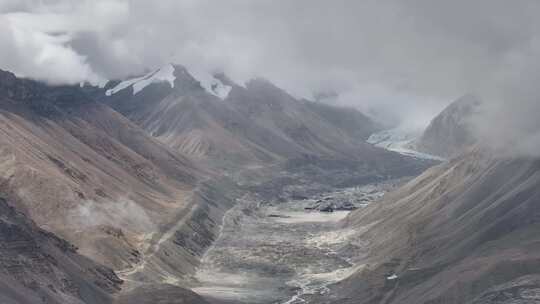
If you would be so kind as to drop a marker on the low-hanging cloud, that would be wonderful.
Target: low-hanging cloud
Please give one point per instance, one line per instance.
(400, 60)
(121, 214)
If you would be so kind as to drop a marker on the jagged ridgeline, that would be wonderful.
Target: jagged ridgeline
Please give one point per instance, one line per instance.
(138, 175)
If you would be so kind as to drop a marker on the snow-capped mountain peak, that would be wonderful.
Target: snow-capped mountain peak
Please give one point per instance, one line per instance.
(210, 83)
(164, 74)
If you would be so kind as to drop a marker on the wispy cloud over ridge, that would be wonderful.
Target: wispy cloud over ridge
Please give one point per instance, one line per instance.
(406, 59)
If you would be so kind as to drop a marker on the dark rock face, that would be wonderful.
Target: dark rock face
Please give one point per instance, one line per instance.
(47, 100)
(450, 133)
(328, 208)
(347, 206)
(38, 267)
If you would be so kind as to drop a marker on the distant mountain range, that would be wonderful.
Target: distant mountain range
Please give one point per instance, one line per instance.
(138, 174)
(464, 231)
(112, 194)
(235, 124)
(448, 134)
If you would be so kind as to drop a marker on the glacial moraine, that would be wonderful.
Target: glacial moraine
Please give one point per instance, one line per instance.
(271, 252)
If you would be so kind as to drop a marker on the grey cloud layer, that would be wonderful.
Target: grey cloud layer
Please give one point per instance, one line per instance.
(402, 58)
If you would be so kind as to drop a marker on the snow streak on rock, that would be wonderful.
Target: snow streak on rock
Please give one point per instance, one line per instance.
(164, 74)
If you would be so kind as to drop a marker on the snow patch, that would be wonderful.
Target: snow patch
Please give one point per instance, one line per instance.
(122, 85)
(208, 81)
(164, 74)
(211, 84)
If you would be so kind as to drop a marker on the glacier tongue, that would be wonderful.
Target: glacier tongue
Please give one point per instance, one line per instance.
(399, 141)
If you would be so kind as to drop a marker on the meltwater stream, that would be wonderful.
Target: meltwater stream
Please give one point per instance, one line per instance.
(282, 253)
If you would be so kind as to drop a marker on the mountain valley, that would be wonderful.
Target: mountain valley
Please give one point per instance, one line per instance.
(164, 188)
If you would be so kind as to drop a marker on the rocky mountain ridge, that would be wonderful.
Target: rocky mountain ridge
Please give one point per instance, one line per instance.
(86, 173)
(143, 189)
(450, 132)
(255, 123)
(462, 232)
(38, 267)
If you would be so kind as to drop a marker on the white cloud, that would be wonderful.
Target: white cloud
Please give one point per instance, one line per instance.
(405, 59)
(37, 37)
(47, 57)
(123, 214)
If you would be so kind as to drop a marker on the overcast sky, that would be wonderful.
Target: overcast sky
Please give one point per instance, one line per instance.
(405, 59)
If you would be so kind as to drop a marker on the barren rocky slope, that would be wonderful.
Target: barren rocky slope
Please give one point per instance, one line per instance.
(256, 133)
(145, 196)
(273, 145)
(253, 124)
(463, 232)
(83, 171)
(449, 133)
(38, 267)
